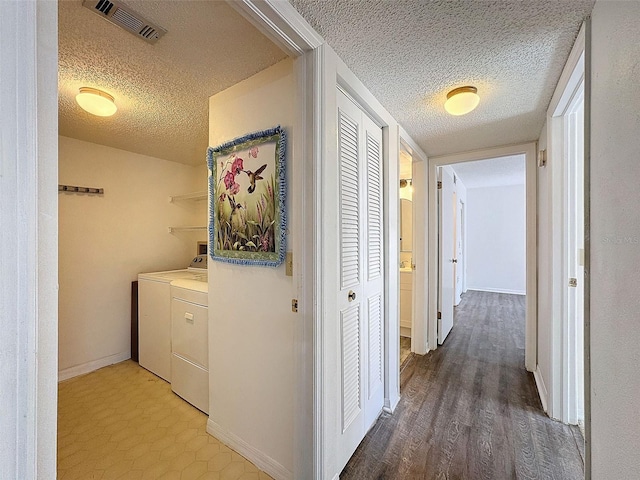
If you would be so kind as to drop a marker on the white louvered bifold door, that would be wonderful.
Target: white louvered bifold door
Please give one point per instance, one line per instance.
(373, 281)
(361, 279)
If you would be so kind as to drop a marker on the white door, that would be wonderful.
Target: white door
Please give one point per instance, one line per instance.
(361, 281)
(446, 260)
(459, 256)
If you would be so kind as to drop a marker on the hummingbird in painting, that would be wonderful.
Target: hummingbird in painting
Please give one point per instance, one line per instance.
(253, 177)
(238, 216)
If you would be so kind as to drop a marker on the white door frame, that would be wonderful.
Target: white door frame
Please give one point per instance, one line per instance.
(29, 239)
(572, 76)
(529, 151)
(419, 173)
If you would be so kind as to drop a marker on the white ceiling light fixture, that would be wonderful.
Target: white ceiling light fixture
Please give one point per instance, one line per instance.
(462, 100)
(96, 102)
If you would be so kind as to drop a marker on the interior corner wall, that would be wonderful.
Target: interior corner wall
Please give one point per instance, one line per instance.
(496, 239)
(106, 240)
(251, 326)
(615, 240)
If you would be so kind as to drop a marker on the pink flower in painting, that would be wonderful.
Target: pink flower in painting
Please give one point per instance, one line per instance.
(234, 189)
(237, 166)
(253, 152)
(229, 180)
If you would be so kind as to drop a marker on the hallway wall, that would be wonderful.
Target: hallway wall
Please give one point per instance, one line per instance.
(615, 240)
(496, 229)
(251, 326)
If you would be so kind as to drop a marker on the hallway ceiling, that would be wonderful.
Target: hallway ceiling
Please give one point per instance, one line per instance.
(161, 90)
(411, 53)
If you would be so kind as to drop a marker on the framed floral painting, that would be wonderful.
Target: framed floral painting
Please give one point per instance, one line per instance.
(247, 191)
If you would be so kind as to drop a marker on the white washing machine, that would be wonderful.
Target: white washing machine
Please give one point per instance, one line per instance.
(190, 341)
(154, 315)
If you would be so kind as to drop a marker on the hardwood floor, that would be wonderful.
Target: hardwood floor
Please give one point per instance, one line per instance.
(470, 410)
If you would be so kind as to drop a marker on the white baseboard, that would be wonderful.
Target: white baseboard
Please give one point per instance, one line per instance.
(542, 389)
(498, 290)
(405, 331)
(258, 458)
(391, 404)
(71, 372)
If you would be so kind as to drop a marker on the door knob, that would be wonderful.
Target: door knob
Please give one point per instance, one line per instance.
(352, 295)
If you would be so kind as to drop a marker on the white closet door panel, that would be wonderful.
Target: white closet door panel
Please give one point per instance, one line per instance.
(373, 287)
(358, 319)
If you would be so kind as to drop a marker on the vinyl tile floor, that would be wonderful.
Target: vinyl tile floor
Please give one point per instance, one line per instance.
(470, 411)
(123, 422)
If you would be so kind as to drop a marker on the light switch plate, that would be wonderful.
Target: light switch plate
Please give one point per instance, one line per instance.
(289, 263)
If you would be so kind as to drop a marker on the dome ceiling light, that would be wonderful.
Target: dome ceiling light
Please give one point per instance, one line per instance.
(462, 100)
(96, 102)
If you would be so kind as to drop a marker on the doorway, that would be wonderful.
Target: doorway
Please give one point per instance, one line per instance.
(528, 151)
(488, 255)
(406, 255)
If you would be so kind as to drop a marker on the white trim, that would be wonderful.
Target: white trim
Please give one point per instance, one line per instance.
(92, 366)
(529, 150)
(303, 173)
(318, 91)
(497, 290)
(542, 389)
(570, 80)
(281, 23)
(260, 459)
(28, 242)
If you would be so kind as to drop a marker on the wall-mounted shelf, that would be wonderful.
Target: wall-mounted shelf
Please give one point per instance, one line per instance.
(186, 229)
(188, 196)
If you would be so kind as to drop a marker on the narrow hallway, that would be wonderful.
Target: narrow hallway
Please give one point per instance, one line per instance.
(470, 410)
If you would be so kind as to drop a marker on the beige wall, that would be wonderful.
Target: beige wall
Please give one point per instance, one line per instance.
(615, 240)
(251, 339)
(105, 241)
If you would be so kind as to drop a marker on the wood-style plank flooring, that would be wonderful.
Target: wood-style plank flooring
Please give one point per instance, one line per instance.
(470, 410)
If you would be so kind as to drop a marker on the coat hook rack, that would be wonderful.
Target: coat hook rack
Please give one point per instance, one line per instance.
(85, 190)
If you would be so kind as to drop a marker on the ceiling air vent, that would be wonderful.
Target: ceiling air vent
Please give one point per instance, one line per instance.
(124, 17)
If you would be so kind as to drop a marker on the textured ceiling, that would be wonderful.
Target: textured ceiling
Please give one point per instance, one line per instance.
(410, 53)
(161, 90)
(495, 172)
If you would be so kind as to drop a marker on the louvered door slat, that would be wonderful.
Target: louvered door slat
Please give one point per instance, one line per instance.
(374, 207)
(350, 322)
(348, 145)
(375, 342)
